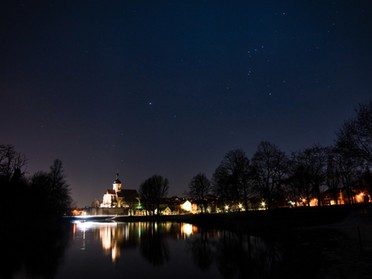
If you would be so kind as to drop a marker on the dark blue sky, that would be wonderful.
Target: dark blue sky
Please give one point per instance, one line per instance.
(169, 87)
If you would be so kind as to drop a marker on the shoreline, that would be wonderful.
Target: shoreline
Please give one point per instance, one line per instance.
(282, 219)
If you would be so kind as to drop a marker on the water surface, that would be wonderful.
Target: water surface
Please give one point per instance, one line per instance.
(161, 250)
(138, 250)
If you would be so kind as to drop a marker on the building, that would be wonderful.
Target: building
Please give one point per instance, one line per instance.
(119, 201)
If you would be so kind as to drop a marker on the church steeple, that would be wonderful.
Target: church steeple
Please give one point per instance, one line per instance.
(117, 178)
(117, 183)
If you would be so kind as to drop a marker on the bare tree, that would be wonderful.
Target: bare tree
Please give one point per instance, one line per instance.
(231, 179)
(270, 165)
(12, 178)
(333, 177)
(348, 168)
(11, 162)
(355, 136)
(152, 191)
(298, 181)
(199, 188)
(313, 161)
(51, 191)
(59, 188)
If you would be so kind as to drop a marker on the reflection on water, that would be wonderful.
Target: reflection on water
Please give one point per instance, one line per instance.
(115, 237)
(236, 255)
(164, 250)
(233, 255)
(109, 234)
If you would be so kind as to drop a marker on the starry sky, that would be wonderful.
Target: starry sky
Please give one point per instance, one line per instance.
(169, 87)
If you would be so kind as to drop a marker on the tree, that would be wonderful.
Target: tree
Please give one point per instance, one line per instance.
(355, 136)
(50, 190)
(152, 191)
(298, 181)
(199, 188)
(333, 176)
(231, 179)
(348, 169)
(11, 162)
(312, 163)
(60, 190)
(270, 165)
(12, 178)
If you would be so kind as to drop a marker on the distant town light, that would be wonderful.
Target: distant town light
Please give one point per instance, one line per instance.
(186, 206)
(360, 197)
(292, 203)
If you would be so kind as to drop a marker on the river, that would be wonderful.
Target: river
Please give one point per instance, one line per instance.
(165, 250)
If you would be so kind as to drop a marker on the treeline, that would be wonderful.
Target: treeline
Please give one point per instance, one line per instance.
(276, 179)
(270, 176)
(44, 193)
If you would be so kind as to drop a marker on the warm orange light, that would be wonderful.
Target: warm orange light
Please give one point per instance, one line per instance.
(186, 206)
(360, 197)
(314, 202)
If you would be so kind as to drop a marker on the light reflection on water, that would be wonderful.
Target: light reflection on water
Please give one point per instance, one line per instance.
(113, 236)
(169, 248)
(137, 250)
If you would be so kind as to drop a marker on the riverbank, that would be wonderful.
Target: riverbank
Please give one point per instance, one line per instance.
(281, 219)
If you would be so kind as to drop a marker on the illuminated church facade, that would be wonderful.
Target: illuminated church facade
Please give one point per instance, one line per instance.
(120, 201)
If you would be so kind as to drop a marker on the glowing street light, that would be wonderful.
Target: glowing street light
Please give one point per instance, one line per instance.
(263, 204)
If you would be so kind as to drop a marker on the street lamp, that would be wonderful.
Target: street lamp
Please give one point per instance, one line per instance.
(263, 204)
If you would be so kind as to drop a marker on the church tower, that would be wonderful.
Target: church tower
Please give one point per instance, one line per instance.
(116, 184)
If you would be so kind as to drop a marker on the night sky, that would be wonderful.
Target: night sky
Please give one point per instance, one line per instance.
(169, 87)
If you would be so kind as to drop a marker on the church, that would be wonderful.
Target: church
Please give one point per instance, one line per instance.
(120, 201)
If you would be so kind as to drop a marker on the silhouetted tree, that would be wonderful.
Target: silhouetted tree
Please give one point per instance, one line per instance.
(231, 179)
(10, 161)
(355, 136)
(152, 191)
(333, 176)
(348, 169)
(312, 164)
(270, 165)
(199, 188)
(50, 190)
(298, 181)
(12, 179)
(60, 190)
